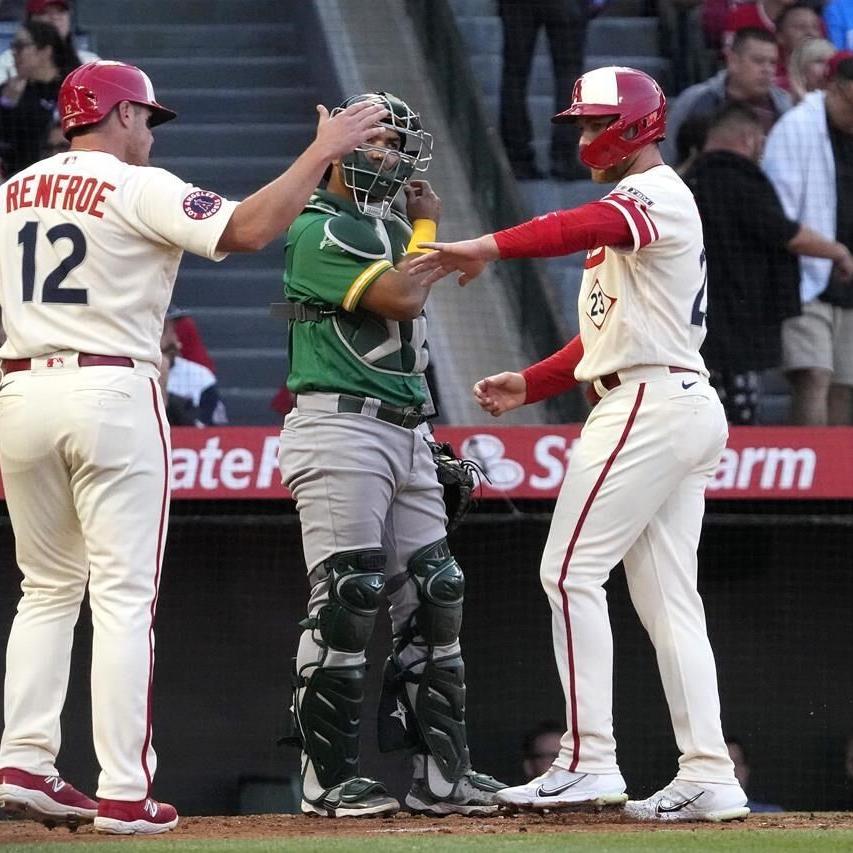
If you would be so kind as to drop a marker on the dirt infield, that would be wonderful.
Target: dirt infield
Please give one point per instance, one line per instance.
(284, 826)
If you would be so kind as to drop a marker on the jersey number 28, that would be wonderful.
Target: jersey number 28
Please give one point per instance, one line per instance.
(50, 291)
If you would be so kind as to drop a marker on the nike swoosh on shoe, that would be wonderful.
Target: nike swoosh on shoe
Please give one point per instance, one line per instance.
(541, 791)
(677, 807)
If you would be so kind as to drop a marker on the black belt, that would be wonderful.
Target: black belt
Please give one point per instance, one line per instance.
(407, 416)
(301, 312)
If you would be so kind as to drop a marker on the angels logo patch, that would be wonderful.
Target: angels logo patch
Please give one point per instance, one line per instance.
(202, 204)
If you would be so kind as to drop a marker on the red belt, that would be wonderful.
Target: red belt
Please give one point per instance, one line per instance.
(612, 380)
(84, 359)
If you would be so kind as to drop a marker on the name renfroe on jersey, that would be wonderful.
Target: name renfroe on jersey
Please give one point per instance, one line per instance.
(645, 304)
(91, 250)
(58, 191)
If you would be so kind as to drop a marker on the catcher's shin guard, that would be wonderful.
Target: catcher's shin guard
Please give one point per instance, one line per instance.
(329, 678)
(328, 716)
(426, 711)
(423, 693)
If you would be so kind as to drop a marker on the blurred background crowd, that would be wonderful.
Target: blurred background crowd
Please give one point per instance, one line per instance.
(760, 125)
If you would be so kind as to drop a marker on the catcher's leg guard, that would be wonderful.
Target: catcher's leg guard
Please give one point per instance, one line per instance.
(423, 697)
(354, 581)
(441, 590)
(328, 718)
(329, 680)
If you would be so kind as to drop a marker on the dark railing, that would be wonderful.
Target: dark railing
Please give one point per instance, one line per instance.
(498, 200)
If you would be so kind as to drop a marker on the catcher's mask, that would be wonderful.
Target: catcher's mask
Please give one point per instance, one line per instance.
(374, 173)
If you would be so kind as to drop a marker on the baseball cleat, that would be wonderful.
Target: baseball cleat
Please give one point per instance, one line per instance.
(472, 794)
(135, 817)
(48, 799)
(691, 801)
(561, 789)
(358, 797)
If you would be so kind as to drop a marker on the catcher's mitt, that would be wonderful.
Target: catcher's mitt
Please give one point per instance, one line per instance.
(456, 477)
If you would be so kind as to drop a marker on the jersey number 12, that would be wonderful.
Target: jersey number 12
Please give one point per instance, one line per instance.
(51, 292)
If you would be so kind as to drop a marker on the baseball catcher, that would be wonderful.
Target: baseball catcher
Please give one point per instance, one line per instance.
(355, 455)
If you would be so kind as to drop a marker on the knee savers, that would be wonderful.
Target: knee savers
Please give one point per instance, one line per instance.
(355, 581)
(441, 590)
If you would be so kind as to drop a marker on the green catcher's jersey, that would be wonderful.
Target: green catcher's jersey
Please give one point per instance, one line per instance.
(334, 253)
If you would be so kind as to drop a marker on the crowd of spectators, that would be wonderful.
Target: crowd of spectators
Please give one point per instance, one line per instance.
(742, 74)
(41, 53)
(762, 130)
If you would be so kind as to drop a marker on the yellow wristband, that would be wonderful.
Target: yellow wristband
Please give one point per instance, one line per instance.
(423, 231)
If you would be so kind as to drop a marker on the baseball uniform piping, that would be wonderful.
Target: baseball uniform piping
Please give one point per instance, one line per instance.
(163, 508)
(576, 744)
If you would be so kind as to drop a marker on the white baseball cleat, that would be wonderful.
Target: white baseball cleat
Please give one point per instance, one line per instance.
(559, 789)
(691, 801)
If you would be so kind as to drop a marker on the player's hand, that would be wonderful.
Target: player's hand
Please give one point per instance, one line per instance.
(843, 269)
(468, 257)
(421, 201)
(343, 132)
(501, 393)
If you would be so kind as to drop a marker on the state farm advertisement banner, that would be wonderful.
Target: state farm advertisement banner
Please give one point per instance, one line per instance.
(530, 462)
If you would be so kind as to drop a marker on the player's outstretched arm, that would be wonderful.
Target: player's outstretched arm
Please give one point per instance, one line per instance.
(398, 293)
(266, 213)
(501, 393)
(467, 257)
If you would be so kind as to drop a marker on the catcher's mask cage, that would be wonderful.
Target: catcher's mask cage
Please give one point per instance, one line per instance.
(376, 174)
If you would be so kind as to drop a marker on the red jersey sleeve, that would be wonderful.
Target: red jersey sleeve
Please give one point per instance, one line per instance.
(565, 231)
(555, 374)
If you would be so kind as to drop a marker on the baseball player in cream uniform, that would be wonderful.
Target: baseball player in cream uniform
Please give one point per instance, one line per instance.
(634, 489)
(90, 243)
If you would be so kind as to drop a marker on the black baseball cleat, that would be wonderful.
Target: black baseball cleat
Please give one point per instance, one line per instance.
(357, 797)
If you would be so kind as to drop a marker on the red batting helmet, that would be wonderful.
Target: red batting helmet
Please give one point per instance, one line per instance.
(89, 93)
(634, 100)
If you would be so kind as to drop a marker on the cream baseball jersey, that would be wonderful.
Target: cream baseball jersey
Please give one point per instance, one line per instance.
(90, 250)
(645, 304)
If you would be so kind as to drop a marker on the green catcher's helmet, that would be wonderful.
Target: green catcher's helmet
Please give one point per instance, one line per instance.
(376, 174)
